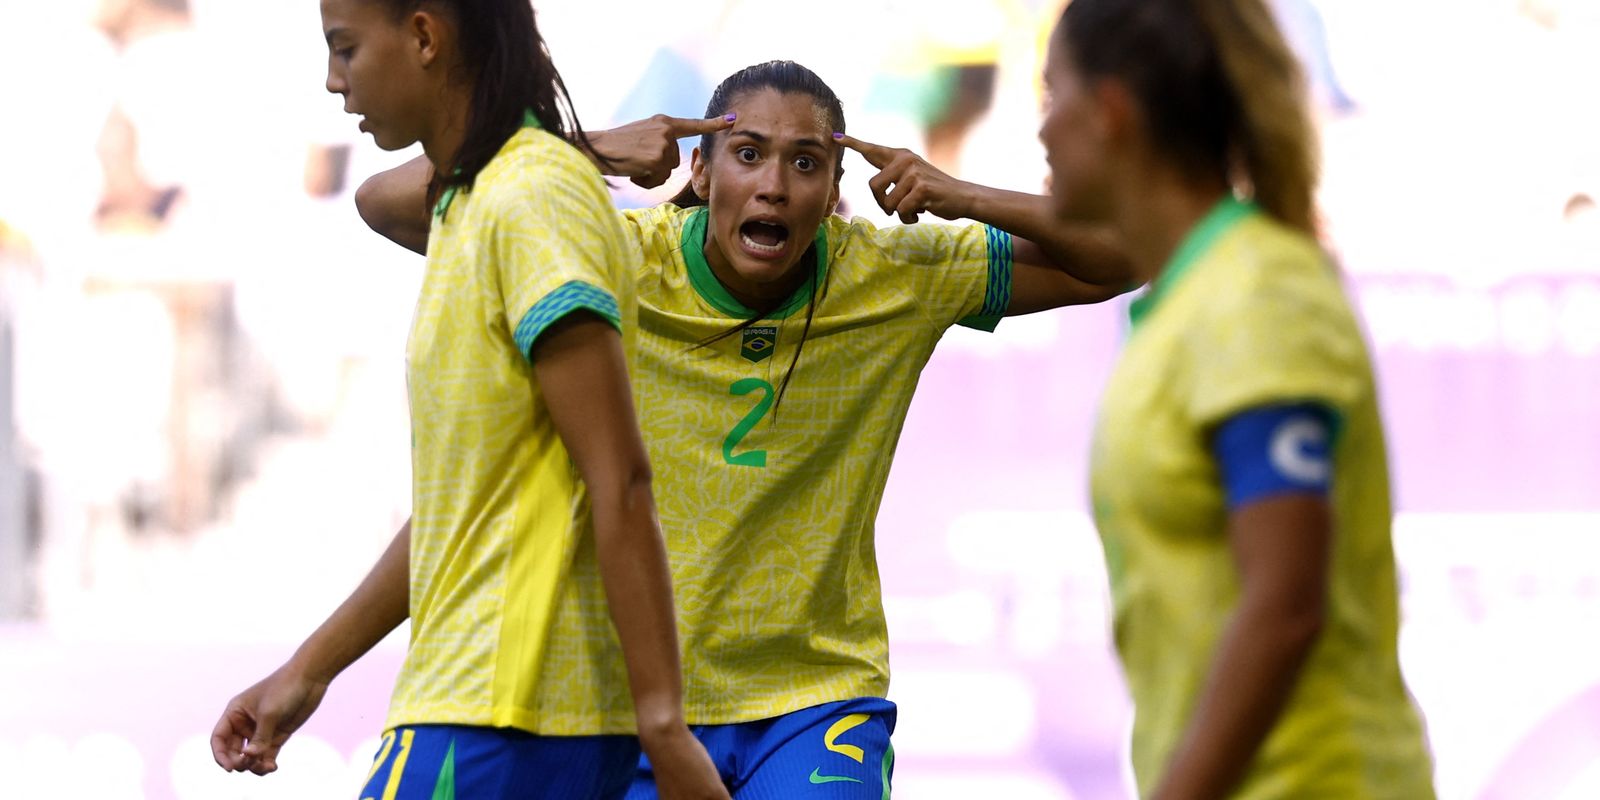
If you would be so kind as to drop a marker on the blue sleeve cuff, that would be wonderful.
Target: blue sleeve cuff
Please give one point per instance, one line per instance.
(997, 298)
(1274, 450)
(567, 298)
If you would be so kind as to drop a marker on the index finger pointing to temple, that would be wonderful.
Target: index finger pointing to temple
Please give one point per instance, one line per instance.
(876, 154)
(698, 127)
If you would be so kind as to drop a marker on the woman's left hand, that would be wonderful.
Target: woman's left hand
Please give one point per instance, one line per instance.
(906, 184)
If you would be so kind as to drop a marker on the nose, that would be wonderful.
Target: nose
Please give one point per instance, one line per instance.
(772, 183)
(335, 83)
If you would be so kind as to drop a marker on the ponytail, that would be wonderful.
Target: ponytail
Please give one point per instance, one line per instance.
(1218, 86)
(1274, 135)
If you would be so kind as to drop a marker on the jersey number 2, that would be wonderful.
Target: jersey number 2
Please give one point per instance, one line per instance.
(749, 458)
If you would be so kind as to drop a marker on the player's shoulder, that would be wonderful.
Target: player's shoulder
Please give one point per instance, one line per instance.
(1267, 275)
(535, 148)
(1268, 251)
(537, 164)
(665, 219)
(858, 242)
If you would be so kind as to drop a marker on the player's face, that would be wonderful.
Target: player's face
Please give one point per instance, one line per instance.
(1073, 140)
(769, 183)
(373, 64)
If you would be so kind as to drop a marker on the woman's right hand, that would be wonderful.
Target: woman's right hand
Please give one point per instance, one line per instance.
(646, 151)
(683, 770)
(260, 719)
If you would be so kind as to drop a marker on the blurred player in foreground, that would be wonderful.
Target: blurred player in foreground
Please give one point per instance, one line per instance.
(1240, 481)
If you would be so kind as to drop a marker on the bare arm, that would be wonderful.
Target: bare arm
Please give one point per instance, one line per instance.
(1055, 263)
(268, 713)
(394, 202)
(581, 370)
(1281, 546)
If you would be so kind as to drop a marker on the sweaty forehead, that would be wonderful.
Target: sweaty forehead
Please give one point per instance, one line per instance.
(781, 116)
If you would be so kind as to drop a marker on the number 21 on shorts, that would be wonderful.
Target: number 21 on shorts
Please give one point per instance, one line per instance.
(392, 786)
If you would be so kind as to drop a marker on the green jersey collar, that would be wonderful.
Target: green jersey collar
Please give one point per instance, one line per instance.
(1219, 220)
(449, 193)
(712, 291)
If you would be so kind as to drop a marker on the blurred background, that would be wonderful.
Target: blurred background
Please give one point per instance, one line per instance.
(203, 432)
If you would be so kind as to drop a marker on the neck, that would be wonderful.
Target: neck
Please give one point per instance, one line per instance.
(448, 128)
(1157, 210)
(753, 295)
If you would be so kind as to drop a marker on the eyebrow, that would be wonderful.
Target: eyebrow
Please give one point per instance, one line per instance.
(330, 33)
(762, 138)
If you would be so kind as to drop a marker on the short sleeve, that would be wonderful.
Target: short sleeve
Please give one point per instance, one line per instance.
(1282, 333)
(959, 273)
(557, 244)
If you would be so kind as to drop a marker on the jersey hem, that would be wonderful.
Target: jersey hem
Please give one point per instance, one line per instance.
(736, 713)
(609, 724)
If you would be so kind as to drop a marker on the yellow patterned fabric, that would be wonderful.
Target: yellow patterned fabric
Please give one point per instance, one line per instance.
(1248, 314)
(509, 621)
(768, 508)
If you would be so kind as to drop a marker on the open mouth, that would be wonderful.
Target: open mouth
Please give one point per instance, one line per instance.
(764, 237)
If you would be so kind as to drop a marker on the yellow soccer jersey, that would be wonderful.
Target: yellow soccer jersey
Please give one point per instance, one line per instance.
(768, 507)
(509, 621)
(1248, 314)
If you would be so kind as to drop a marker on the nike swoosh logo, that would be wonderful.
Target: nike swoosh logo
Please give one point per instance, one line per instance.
(816, 778)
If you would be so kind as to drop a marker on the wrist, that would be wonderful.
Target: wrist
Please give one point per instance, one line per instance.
(594, 150)
(659, 720)
(972, 196)
(310, 665)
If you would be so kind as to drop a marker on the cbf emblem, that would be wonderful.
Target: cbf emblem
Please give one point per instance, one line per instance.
(758, 343)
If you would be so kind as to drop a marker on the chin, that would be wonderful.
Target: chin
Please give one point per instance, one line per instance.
(392, 143)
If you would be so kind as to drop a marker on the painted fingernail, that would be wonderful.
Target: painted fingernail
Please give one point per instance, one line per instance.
(837, 136)
(729, 118)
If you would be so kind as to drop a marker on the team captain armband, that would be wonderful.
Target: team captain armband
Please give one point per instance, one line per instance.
(1274, 450)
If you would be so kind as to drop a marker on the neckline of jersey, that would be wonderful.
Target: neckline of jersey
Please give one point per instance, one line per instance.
(1228, 212)
(712, 291)
(529, 120)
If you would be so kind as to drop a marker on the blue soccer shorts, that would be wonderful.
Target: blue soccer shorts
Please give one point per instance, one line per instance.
(835, 751)
(460, 762)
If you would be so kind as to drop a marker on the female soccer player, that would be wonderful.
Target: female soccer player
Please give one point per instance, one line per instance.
(779, 349)
(1239, 477)
(533, 519)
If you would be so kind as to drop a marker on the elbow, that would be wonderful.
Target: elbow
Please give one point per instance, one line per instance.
(638, 479)
(369, 204)
(1291, 622)
(1305, 629)
(1299, 623)
(626, 492)
(383, 205)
